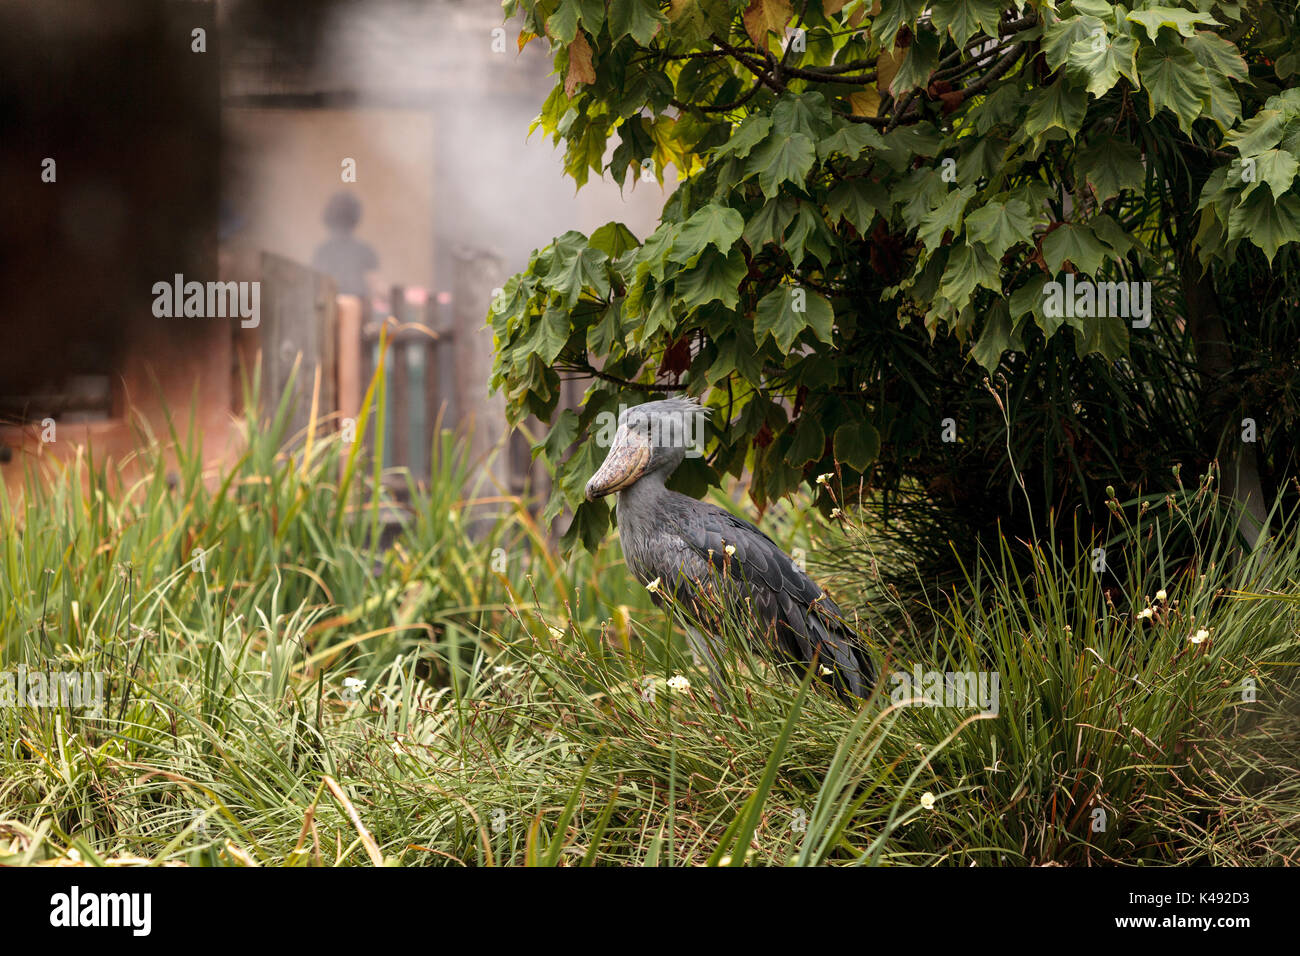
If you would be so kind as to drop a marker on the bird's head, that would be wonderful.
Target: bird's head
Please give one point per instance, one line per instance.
(651, 438)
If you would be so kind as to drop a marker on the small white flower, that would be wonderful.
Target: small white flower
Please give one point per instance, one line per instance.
(836, 513)
(1146, 612)
(653, 586)
(825, 479)
(730, 549)
(825, 671)
(1162, 595)
(678, 684)
(1200, 636)
(503, 670)
(555, 632)
(354, 683)
(927, 800)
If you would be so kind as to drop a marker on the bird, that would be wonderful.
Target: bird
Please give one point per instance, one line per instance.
(678, 546)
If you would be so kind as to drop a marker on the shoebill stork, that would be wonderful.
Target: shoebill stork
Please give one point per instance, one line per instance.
(679, 541)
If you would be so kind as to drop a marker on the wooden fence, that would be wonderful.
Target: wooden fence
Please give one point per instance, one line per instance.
(421, 375)
(438, 364)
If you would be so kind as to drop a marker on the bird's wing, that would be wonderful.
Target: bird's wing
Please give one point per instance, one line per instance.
(806, 621)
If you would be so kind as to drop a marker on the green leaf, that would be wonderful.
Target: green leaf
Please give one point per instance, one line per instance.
(1060, 37)
(1029, 297)
(1101, 9)
(602, 335)
(1000, 225)
(809, 442)
(691, 21)
(994, 339)
(1112, 234)
(563, 23)
(770, 222)
(589, 525)
(858, 201)
(1060, 106)
(1174, 80)
(981, 157)
(944, 218)
(1225, 105)
(807, 114)
(1106, 334)
(614, 239)
(1267, 222)
(857, 444)
(894, 14)
(805, 227)
(780, 159)
(1075, 244)
(1101, 61)
(550, 333)
(1275, 167)
(1262, 131)
(711, 225)
(746, 136)
(1218, 55)
(788, 310)
(1111, 166)
(652, 257)
(577, 267)
(962, 19)
(968, 267)
(850, 140)
(561, 435)
(1184, 21)
(714, 276)
(639, 19)
(921, 193)
(736, 353)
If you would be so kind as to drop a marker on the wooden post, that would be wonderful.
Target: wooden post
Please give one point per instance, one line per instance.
(351, 383)
(298, 318)
(438, 370)
(399, 407)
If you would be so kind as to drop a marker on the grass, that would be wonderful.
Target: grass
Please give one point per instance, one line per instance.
(300, 696)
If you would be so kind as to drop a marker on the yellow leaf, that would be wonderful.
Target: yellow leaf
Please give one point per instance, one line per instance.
(766, 16)
(677, 7)
(887, 65)
(524, 37)
(866, 102)
(580, 67)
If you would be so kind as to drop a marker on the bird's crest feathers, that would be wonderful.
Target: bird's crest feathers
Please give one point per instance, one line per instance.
(668, 406)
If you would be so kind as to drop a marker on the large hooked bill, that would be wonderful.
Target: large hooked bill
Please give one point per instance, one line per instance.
(625, 463)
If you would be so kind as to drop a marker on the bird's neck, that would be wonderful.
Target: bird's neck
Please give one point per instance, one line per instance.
(638, 498)
(641, 517)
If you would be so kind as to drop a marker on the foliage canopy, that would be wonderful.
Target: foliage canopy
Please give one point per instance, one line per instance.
(873, 200)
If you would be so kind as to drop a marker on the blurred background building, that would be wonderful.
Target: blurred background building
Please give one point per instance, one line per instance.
(215, 154)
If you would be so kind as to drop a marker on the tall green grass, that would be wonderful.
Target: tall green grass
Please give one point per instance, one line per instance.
(470, 696)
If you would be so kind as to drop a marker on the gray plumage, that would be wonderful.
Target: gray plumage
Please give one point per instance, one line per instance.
(683, 542)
